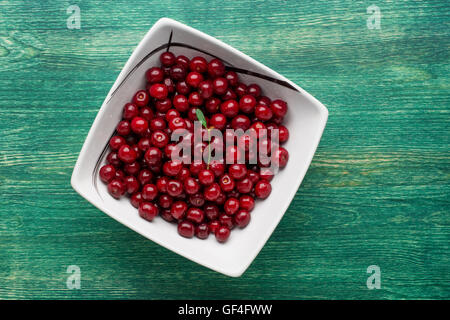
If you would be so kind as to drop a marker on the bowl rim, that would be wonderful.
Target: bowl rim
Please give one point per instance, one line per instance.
(323, 116)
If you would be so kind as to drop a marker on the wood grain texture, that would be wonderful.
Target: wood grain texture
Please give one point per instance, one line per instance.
(377, 192)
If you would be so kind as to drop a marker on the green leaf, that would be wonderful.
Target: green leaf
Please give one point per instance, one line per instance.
(201, 117)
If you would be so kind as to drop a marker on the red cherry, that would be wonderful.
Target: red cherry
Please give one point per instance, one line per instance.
(247, 103)
(139, 125)
(154, 75)
(237, 171)
(136, 199)
(186, 229)
(242, 218)
(148, 210)
(206, 177)
(202, 231)
(212, 192)
(178, 209)
(222, 234)
(107, 173)
(116, 142)
(116, 188)
(194, 78)
(159, 91)
(195, 215)
(167, 58)
(231, 206)
(246, 202)
(216, 68)
(279, 108)
(229, 108)
(149, 192)
(141, 98)
(127, 154)
(226, 183)
(130, 110)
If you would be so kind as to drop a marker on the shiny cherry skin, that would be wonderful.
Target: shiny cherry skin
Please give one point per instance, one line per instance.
(220, 85)
(229, 108)
(116, 142)
(205, 89)
(136, 199)
(237, 171)
(132, 168)
(145, 176)
(231, 206)
(263, 189)
(195, 215)
(247, 103)
(159, 91)
(226, 183)
(211, 211)
(212, 105)
(154, 75)
(178, 209)
(218, 167)
(263, 112)
(130, 110)
(107, 173)
(167, 59)
(165, 201)
(161, 184)
(218, 121)
(186, 229)
(194, 78)
(182, 60)
(149, 192)
(212, 192)
(244, 185)
(153, 155)
(242, 218)
(280, 157)
(279, 108)
(283, 134)
(254, 90)
(131, 184)
(178, 72)
(198, 64)
(202, 231)
(116, 188)
(197, 200)
(172, 167)
(222, 234)
(127, 154)
(174, 188)
(216, 68)
(232, 78)
(213, 226)
(191, 186)
(181, 103)
(246, 202)
(139, 125)
(148, 210)
(141, 98)
(206, 177)
(159, 139)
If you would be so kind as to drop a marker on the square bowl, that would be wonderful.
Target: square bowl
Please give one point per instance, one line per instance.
(305, 120)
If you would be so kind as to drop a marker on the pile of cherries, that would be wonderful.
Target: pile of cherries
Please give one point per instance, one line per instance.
(202, 198)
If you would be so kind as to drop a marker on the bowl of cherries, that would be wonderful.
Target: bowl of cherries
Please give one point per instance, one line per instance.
(199, 148)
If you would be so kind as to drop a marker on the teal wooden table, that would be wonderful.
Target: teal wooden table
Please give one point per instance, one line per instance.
(377, 191)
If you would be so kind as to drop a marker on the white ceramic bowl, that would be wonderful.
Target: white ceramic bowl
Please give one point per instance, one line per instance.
(305, 120)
